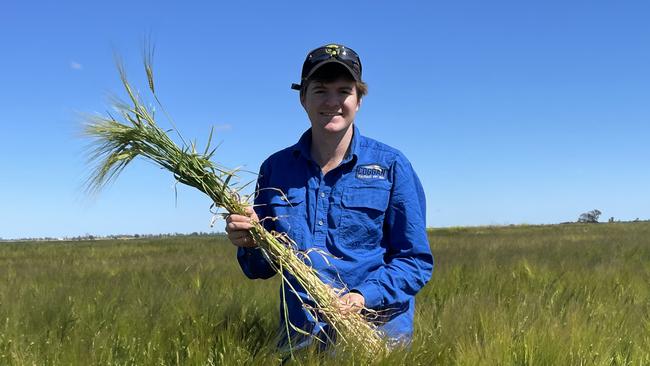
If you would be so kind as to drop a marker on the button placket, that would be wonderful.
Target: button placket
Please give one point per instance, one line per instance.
(322, 207)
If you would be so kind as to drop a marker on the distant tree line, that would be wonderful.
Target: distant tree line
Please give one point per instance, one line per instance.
(117, 236)
(590, 217)
(593, 215)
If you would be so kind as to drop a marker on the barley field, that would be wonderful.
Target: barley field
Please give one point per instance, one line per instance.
(576, 294)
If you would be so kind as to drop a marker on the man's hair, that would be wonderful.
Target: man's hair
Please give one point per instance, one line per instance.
(332, 72)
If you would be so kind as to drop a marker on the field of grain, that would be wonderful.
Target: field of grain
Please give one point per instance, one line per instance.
(574, 294)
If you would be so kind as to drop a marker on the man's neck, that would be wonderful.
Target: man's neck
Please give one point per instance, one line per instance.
(329, 150)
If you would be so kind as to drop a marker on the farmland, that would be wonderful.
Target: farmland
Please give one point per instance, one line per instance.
(575, 294)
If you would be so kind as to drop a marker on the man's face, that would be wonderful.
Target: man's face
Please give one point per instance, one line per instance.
(332, 106)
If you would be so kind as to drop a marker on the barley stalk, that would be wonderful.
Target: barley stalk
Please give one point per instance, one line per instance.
(117, 141)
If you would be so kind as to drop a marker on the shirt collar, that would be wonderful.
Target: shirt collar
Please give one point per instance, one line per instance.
(303, 146)
(354, 146)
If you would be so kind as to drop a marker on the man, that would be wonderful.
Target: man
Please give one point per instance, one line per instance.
(353, 204)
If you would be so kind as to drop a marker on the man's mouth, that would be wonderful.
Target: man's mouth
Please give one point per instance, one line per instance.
(330, 114)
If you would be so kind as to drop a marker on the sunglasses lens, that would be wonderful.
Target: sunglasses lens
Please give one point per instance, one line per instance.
(342, 54)
(318, 56)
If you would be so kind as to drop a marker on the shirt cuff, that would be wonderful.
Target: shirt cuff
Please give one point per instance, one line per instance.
(371, 294)
(249, 251)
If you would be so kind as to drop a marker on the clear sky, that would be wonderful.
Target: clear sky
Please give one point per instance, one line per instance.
(511, 111)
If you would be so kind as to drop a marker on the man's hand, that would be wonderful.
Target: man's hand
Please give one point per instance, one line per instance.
(238, 226)
(352, 302)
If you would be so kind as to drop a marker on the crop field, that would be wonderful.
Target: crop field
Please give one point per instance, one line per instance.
(576, 294)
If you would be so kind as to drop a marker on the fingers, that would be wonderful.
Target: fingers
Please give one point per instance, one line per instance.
(237, 227)
(250, 212)
(238, 222)
(351, 303)
(348, 308)
(242, 238)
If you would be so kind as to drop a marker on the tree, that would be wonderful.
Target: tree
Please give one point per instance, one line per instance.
(589, 217)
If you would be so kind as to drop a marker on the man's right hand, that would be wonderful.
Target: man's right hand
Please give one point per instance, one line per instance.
(238, 226)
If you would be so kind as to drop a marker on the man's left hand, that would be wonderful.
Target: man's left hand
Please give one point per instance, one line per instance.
(351, 302)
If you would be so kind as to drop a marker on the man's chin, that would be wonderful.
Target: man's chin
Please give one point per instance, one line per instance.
(335, 125)
(334, 128)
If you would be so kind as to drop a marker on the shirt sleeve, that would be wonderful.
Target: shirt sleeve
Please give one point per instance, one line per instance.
(252, 260)
(408, 262)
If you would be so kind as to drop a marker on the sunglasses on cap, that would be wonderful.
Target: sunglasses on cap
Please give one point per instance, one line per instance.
(330, 53)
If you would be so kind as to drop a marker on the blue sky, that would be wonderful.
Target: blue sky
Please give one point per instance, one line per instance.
(511, 112)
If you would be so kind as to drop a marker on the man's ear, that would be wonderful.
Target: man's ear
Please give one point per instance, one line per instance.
(359, 104)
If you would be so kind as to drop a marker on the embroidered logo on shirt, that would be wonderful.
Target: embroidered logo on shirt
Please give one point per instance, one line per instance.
(372, 171)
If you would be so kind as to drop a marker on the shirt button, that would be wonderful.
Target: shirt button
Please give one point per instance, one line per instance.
(322, 194)
(320, 222)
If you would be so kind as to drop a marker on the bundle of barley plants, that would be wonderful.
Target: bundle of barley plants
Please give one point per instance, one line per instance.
(117, 140)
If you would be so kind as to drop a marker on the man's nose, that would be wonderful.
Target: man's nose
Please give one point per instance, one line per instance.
(331, 99)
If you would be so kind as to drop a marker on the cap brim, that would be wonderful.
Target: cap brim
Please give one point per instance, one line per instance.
(354, 75)
(331, 60)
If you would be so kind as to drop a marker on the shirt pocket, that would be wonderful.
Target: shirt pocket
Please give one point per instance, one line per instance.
(362, 216)
(287, 212)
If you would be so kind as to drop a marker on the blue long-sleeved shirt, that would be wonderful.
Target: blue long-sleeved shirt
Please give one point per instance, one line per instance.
(368, 215)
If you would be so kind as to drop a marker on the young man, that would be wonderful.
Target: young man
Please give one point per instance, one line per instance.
(353, 203)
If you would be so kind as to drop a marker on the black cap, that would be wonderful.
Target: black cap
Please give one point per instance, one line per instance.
(327, 54)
